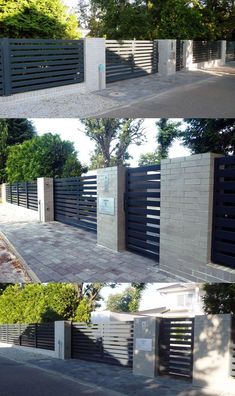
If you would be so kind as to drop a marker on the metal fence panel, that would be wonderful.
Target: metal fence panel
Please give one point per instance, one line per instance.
(23, 194)
(176, 341)
(75, 201)
(230, 51)
(205, 51)
(39, 335)
(142, 207)
(110, 343)
(130, 58)
(33, 64)
(1, 69)
(223, 235)
(179, 55)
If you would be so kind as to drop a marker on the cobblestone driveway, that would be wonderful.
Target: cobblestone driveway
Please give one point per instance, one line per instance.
(56, 252)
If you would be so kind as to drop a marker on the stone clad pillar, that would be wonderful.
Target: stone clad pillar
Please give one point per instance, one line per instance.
(211, 357)
(94, 63)
(45, 199)
(167, 57)
(63, 339)
(3, 193)
(145, 356)
(110, 208)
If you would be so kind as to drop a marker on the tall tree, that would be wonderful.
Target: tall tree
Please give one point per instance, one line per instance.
(167, 132)
(219, 298)
(113, 137)
(128, 300)
(43, 156)
(209, 134)
(12, 131)
(151, 19)
(37, 19)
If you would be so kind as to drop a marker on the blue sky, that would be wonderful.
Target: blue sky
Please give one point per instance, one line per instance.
(71, 129)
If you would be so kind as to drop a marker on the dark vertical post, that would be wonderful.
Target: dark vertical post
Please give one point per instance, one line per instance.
(36, 335)
(17, 193)
(27, 197)
(10, 193)
(7, 89)
(133, 57)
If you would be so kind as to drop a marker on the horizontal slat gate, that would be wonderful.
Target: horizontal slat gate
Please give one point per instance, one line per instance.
(104, 342)
(232, 349)
(33, 64)
(179, 55)
(39, 335)
(176, 338)
(75, 201)
(204, 51)
(230, 51)
(130, 59)
(223, 236)
(23, 194)
(1, 69)
(142, 206)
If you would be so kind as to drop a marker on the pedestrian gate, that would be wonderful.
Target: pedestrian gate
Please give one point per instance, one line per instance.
(130, 59)
(223, 236)
(230, 51)
(176, 339)
(179, 55)
(104, 342)
(142, 206)
(75, 201)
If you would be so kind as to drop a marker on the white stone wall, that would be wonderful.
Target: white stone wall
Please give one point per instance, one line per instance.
(186, 213)
(3, 193)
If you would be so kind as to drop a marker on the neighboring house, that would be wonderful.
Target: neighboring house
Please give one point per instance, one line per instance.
(182, 299)
(179, 300)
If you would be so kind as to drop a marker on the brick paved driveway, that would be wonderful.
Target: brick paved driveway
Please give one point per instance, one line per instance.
(56, 252)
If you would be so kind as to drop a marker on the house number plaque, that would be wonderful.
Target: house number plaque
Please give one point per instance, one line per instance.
(106, 206)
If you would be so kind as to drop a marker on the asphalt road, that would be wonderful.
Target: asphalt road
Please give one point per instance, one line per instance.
(18, 379)
(214, 98)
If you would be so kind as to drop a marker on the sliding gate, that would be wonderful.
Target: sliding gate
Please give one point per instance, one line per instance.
(176, 339)
(130, 58)
(179, 55)
(142, 206)
(75, 201)
(110, 343)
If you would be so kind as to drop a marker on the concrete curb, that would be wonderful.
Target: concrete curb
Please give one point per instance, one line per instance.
(25, 267)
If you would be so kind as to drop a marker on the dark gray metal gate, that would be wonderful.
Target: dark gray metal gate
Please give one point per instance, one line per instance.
(179, 55)
(142, 207)
(223, 236)
(33, 64)
(176, 341)
(205, 51)
(23, 194)
(37, 335)
(230, 51)
(75, 201)
(104, 342)
(130, 58)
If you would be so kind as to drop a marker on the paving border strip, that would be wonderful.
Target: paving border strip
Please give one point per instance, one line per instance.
(25, 267)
